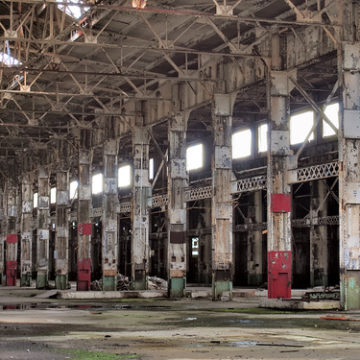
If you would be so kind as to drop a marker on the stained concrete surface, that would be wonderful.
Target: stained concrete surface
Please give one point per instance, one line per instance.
(35, 328)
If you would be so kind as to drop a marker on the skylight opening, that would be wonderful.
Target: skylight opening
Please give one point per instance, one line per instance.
(73, 10)
(73, 190)
(124, 176)
(97, 184)
(9, 60)
(53, 195)
(262, 138)
(194, 157)
(332, 112)
(241, 144)
(151, 169)
(36, 200)
(300, 126)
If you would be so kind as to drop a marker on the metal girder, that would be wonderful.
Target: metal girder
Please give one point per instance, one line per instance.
(183, 12)
(315, 172)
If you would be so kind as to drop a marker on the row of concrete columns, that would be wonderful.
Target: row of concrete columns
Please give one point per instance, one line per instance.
(279, 204)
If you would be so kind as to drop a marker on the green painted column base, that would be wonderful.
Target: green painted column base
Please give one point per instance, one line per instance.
(220, 287)
(61, 282)
(25, 280)
(42, 280)
(177, 287)
(255, 279)
(109, 283)
(350, 290)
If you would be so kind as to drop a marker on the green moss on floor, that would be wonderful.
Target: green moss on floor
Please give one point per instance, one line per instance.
(255, 311)
(78, 354)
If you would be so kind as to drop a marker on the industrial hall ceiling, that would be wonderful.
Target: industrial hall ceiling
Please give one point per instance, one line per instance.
(84, 64)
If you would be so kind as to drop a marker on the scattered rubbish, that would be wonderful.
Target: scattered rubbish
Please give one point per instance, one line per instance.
(156, 283)
(123, 283)
(336, 317)
(322, 293)
(191, 319)
(330, 317)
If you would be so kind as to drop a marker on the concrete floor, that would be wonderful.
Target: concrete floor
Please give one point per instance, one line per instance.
(33, 328)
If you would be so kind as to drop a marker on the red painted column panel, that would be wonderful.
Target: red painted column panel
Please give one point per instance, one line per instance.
(11, 263)
(279, 274)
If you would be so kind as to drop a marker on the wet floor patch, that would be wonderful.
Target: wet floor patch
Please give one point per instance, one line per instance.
(102, 307)
(208, 320)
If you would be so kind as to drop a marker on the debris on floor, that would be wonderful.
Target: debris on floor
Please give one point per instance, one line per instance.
(322, 293)
(156, 283)
(123, 283)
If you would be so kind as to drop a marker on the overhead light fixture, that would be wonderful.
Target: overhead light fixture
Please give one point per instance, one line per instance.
(139, 4)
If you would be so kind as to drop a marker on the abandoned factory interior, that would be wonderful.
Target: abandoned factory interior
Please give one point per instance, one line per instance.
(186, 164)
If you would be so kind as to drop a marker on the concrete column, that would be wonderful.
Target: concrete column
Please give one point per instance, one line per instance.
(177, 183)
(12, 235)
(140, 247)
(255, 250)
(109, 219)
(349, 177)
(26, 232)
(319, 251)
(2, 235)
(61, 254)
(84, 213)
(43, 233)
(278, 190)
(222, 208)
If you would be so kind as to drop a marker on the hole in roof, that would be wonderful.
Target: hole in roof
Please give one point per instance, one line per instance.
(75, 11)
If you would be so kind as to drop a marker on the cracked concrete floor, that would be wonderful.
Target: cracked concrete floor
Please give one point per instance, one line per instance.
(31, 328)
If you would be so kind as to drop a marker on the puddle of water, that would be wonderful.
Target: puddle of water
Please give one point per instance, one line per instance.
(242, 344)
(44, 306)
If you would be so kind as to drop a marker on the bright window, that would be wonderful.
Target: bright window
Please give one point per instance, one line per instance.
(194, 157)
(262, 138)
(124, 176)
(73, 10)
(36, 200)
(300, 126)
(151, 169)
(332, 112)
(241, 144)
(53, 195)
(195, 246)
(73, 190)
(97, 184)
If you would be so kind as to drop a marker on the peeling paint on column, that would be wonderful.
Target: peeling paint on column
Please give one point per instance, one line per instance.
(349, 179)
(2, 235)
(26, 232)
(12, 235)
(222, 207)
(109, 219)
(61, 254)
(84, 213)
(177, 183)
(141, 198)
(43, 233)
(278, 189)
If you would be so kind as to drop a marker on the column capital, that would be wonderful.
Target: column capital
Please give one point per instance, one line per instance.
(281, 84)
(224, 104)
